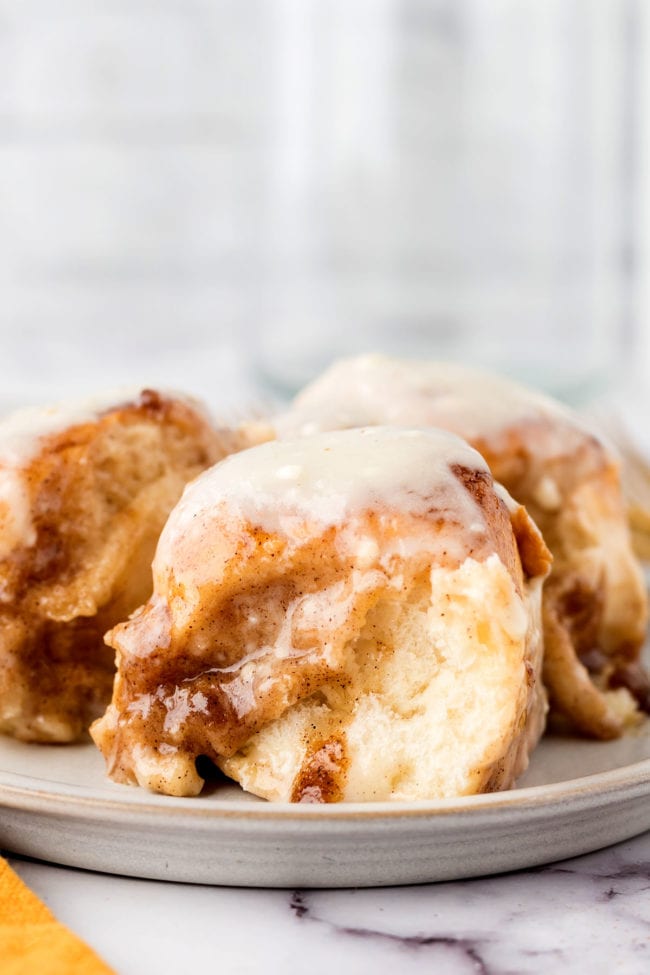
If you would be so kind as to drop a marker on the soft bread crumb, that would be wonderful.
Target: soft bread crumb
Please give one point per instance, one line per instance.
(434, 702)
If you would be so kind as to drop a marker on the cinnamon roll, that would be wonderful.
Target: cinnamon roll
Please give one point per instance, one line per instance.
(84, 492)
(595, 604)
(352, 616)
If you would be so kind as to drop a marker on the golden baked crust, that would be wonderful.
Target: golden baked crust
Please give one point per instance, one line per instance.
(80, 513)
(288, 645)
(595, 603)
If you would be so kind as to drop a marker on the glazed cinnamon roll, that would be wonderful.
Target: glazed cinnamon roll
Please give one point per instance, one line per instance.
(84, 492)
(595, 605)
(353, 616)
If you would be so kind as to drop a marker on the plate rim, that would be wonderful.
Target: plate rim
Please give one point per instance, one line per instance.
(28, 793)
(235, 842)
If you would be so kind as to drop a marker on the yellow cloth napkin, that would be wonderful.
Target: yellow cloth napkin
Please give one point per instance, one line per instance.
(32, 942)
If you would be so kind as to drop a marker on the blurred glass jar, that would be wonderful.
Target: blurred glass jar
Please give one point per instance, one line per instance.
(451, 179)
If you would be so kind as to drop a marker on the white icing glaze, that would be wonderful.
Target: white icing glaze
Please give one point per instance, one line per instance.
(21, 432)
(16, 526)
(323, 480)
(547, 494)
(21, 437)
(375, 389)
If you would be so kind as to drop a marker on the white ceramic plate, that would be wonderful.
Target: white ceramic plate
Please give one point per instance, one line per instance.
(577, 796)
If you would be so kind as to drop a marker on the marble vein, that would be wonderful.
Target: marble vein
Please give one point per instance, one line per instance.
(578, 915)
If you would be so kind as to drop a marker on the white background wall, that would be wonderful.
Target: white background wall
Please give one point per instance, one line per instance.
(642, 295)
(188, 185)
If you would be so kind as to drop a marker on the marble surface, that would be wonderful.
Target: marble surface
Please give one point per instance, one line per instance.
(591, 914)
